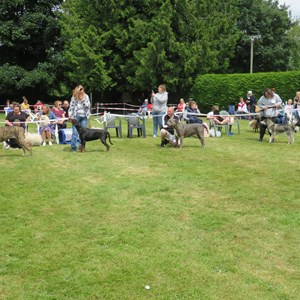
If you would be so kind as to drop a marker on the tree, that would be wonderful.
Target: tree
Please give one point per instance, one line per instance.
(138, 44)
(294, 35)
(272, 50)
(30, 44)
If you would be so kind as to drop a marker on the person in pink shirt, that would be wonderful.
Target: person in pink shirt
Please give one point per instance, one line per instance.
(60, 114)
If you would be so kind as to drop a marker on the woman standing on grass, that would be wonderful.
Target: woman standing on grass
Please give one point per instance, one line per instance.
(80, 110)
(269, 104)
(159, 101)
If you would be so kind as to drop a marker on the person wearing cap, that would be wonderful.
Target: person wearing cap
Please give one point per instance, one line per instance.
(251, 102)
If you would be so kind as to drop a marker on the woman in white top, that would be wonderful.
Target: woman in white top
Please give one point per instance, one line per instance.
(80, 110)
(159, 101)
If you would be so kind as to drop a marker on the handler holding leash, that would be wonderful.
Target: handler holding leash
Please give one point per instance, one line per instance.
(167, 131)
(268, 104)
(80, 110)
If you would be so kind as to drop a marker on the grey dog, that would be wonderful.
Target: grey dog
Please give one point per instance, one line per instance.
(187, 130)
(18, 133)
(277, 129)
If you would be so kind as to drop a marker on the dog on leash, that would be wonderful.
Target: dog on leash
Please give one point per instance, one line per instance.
(187, 130)
(277, 129)
(87, 134)
(17, 133)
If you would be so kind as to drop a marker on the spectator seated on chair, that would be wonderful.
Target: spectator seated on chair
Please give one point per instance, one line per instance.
(25, 106)
(218, 120)
(9, 108)
(144, 108)
(19, 115)
(242, 107)
(47, 127)
(65, 107)
(192, 111)
(180, 108)
(38, 107)
(60, 114)
(231, 109)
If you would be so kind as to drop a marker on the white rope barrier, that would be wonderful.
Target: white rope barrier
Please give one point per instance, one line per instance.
(133, 115)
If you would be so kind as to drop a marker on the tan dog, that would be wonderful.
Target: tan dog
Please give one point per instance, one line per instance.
(254, 124)
(18, 133)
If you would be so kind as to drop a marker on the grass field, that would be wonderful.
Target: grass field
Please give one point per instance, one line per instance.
(215, 223)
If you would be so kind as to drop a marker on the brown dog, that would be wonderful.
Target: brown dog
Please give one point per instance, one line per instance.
(254, 124)
(18, 133)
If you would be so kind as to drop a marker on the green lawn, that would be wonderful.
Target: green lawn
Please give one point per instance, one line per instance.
(220, 222)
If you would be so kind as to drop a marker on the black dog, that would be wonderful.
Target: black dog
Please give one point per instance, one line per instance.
(87, 134)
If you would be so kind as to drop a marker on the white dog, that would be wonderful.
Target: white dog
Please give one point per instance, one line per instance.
(34, 139)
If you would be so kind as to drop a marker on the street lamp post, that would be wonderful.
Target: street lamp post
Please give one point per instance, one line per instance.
(252, 39)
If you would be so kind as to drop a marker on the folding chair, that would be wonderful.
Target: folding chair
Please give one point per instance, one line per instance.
(233, 121)
(231, 109)
(218, 127)
(138, 123)
(109, 121)
(65, 135)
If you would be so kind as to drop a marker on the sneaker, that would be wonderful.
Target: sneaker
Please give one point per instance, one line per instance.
(50, 143)
(260, 140)
(154, 135)
(44, 143)
(231, 133)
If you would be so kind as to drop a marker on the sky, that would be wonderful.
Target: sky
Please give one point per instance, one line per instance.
(294, 6)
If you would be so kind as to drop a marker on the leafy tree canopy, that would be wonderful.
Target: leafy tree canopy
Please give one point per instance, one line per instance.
(134, 45)
(29, 45)
(272, 50)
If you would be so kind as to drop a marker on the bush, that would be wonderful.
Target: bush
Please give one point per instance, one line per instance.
(226, 89)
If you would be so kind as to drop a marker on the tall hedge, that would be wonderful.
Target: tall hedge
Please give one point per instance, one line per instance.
(226, 89)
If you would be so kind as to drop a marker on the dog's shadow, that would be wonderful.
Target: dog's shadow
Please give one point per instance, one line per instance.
(14, 155)
(184, 147)
(67, 149)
